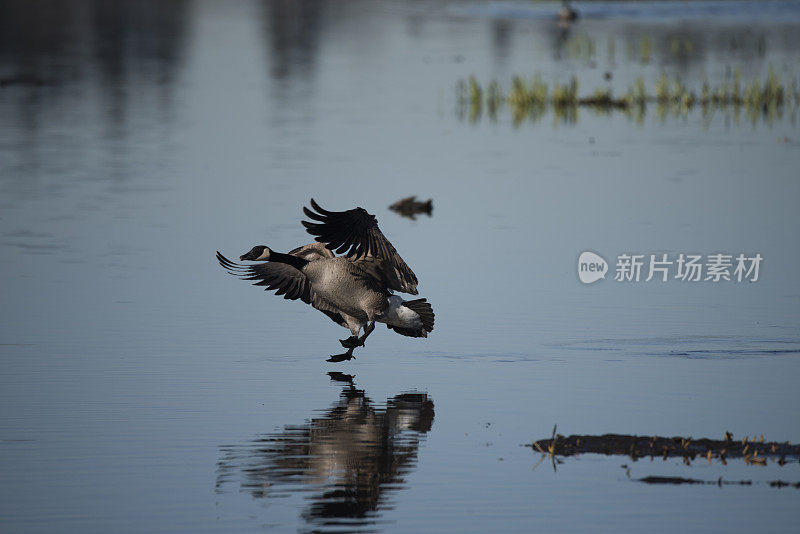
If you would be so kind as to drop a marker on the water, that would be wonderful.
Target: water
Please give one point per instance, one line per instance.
(145, 390)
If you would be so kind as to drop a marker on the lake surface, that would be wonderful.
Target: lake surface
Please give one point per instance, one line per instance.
(144, 390)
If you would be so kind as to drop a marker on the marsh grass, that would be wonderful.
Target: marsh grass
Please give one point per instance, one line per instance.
(764, 99)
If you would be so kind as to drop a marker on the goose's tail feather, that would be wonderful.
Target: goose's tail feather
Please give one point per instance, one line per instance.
(426, 315)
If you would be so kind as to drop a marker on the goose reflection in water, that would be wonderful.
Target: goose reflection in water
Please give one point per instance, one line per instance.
(356, 452)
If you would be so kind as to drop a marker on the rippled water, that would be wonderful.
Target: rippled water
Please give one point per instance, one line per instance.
(145, 390)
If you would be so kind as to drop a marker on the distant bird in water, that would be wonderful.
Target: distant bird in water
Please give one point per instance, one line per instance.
(410, 207)
(566, 13)
(354, 290)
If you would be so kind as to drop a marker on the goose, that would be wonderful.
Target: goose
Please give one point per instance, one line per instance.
(355, 289)
(566, 13)
(410, 207)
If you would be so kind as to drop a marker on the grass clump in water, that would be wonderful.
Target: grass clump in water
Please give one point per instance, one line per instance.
(567, 94)
(533, 98)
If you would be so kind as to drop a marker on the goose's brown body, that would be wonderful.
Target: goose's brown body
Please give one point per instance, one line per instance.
(337, 282)
(354, 290)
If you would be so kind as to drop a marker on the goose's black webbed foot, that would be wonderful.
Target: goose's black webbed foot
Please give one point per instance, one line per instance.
(342, 357)
(351, 342)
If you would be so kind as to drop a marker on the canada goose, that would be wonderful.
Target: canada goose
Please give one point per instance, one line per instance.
(566, 13)
(410, 207)
(354, 290)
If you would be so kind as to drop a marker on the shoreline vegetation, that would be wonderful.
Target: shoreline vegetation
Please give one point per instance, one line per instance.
(768, 100)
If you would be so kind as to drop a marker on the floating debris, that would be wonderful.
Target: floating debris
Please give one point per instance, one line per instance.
(670, 480)
(410, 207)
(783, 484)
(719, 482)
(753, 452)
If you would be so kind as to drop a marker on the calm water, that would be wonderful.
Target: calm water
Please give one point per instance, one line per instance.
(144, 390)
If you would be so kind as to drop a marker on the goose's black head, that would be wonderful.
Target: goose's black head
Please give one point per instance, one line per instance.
(257, 253)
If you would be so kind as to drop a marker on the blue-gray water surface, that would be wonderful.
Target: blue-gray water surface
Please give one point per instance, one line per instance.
(144, 390)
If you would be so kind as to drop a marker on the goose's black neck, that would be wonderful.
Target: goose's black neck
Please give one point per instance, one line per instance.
(288, 259)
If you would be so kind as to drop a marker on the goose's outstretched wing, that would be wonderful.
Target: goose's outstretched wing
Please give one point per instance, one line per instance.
(355, 233)
(284, 280)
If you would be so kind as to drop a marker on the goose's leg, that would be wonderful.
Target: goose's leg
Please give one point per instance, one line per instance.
(368, 328)
(355, 327)
(353, 341)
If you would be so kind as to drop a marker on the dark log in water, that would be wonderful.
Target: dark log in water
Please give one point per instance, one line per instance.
(752, 450)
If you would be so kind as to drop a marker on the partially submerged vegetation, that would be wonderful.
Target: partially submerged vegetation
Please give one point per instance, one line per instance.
(532, 98)
(754, 451)
(644, 49)
(719, 482)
